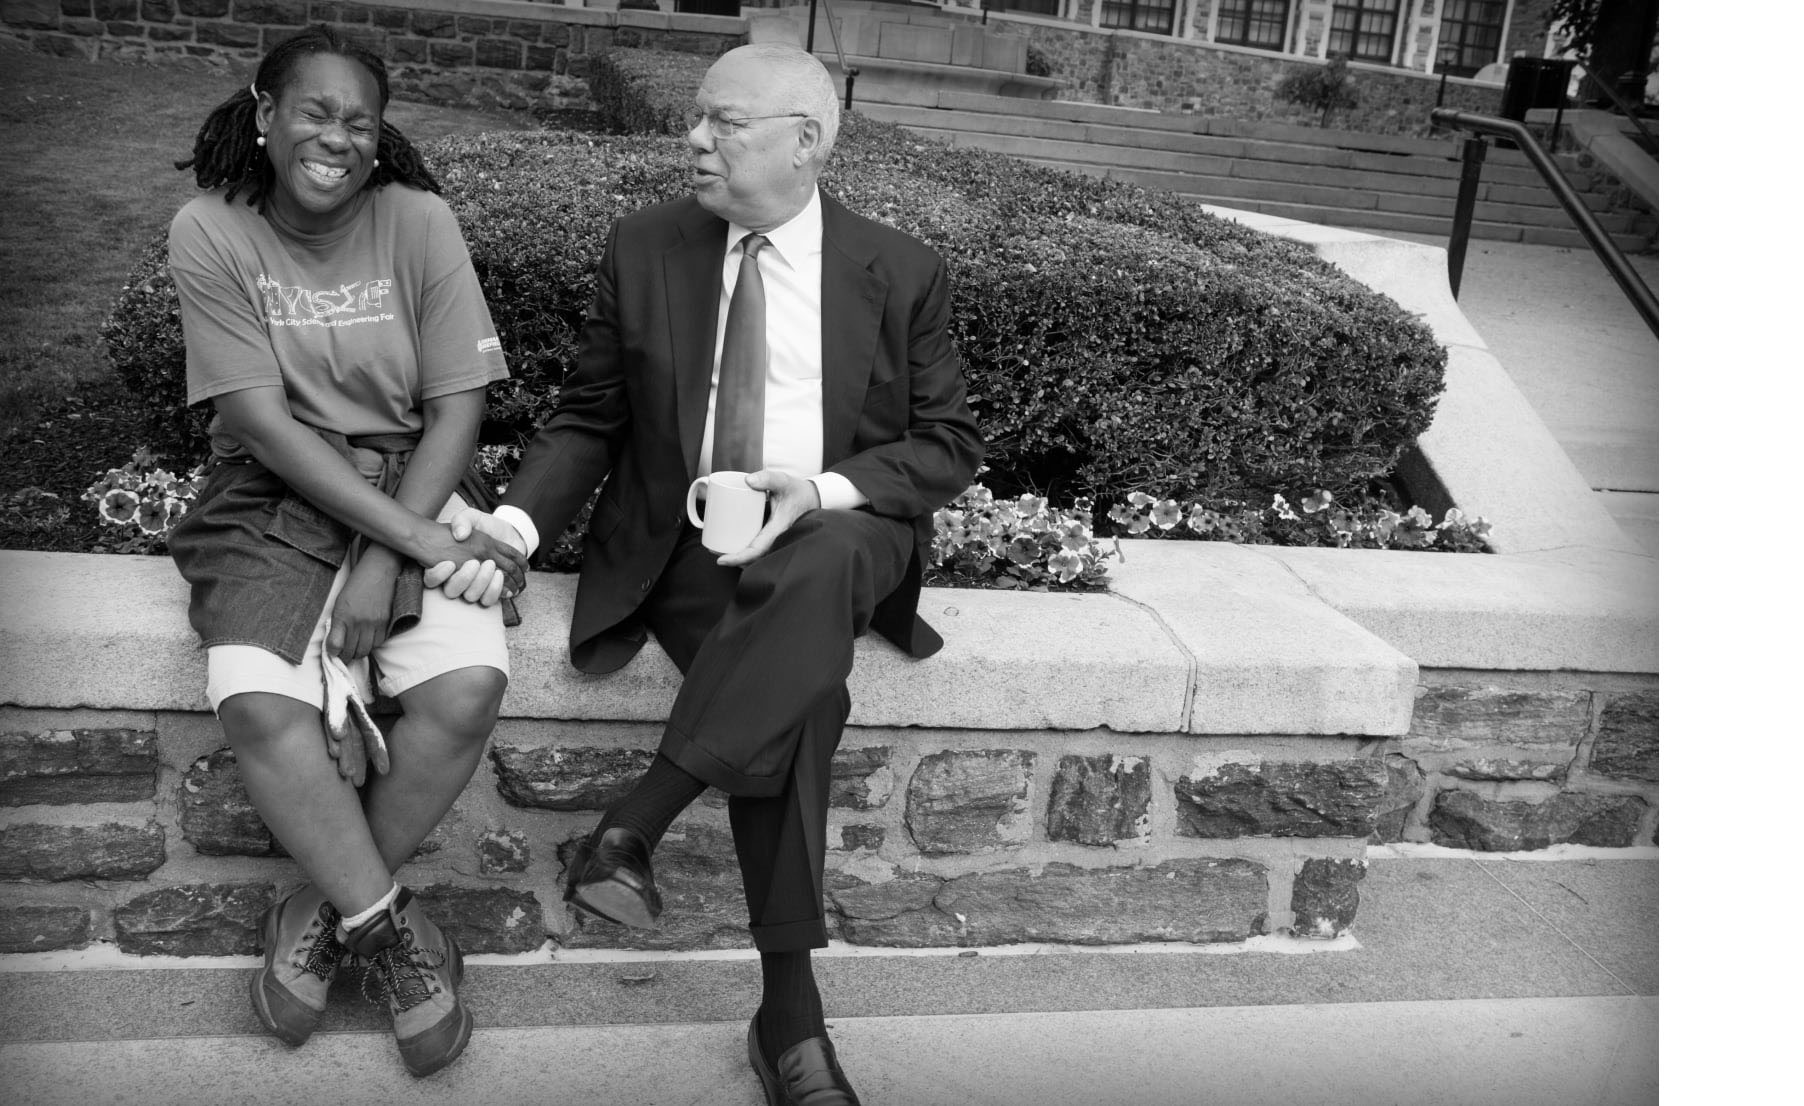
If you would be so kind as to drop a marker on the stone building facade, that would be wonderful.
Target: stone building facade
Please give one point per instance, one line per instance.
(1452, 37)
(1226, 58)
(476, 53)
(519, 53)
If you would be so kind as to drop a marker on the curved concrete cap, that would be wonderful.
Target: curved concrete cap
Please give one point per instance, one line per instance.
(1588, 610)
(1269, 657)
(1487, 450)
(1202, 638)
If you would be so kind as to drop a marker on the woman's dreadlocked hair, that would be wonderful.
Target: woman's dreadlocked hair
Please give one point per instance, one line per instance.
(226, 150)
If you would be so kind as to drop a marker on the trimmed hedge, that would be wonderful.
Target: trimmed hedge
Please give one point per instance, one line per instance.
(644, 91)
(1114, 338)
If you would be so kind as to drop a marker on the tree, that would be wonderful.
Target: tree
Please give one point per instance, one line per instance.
(1579, 24)
(1328, 87)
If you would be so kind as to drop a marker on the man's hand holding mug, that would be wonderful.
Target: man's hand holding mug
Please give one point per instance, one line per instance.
(736, 525)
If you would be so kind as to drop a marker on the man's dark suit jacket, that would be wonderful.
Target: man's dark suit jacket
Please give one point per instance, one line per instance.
(892, 394)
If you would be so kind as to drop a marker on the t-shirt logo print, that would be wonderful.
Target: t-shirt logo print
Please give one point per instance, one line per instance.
(360, 301)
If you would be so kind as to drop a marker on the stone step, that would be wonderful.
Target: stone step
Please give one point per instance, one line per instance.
(1032, 1025)
(1533, 1050)
(1012, 135)
(1435, 924)
(1380, 211)
(1444, 146)
(1326, 194)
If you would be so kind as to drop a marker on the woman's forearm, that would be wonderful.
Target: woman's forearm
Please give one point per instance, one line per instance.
(259, 418)
(447, 442)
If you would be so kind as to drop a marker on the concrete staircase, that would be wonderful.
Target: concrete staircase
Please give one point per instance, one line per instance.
(1479, 981)
(1339, 178)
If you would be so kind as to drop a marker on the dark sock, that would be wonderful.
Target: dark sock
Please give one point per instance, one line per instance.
(661, 795)
(791, 1012)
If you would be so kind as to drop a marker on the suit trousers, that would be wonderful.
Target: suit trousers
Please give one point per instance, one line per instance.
(765, 652)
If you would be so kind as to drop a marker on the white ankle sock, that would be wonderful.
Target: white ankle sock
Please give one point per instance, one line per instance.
(349, 922)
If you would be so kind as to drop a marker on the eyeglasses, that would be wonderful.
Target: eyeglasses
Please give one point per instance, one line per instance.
(722, 127)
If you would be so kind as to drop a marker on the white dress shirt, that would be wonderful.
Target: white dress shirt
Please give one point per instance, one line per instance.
(793, 428)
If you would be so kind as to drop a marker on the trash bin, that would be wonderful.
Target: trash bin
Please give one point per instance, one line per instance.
(1533, 83)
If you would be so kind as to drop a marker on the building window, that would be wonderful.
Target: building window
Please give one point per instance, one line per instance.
(1364, 30)
(1471, 36)
(1152, 16)
(1259, 23)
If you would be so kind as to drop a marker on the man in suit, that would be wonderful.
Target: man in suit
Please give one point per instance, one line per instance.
(865, 432)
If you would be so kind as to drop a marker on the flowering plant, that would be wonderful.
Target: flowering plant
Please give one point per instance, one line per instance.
(143, 500)
(1322, 522)
(982, 541)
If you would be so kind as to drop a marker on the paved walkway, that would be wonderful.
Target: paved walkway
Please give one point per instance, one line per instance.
(1471, 980)
(1580, 353)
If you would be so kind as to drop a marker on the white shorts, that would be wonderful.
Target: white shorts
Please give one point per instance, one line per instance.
(450, 634)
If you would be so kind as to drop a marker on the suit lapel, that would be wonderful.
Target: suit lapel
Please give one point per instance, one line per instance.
(852, 299)
(692, 304)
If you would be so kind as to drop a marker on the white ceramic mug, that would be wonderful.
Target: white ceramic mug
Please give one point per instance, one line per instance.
(735, 511)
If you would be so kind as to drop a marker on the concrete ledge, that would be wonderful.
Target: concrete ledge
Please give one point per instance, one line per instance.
(1007, 665)
(1605, 136)
(1494, 456)
(1199, 637)
(577, 16)
(1574, 609)
(505, 9)
(111, 632)
(1487, 452)
(678, 21)
(1270, 657)
(921, 83)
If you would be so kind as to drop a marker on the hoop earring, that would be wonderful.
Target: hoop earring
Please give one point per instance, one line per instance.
(260, 140)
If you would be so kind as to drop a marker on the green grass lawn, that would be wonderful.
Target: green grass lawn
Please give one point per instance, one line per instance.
(88, 182)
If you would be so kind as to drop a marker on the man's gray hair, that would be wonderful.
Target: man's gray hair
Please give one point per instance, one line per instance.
(799, 82)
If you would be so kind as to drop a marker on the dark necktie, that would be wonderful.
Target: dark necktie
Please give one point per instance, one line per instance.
(739, 400)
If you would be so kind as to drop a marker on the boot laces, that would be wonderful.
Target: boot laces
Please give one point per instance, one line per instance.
(402, 973)
(325, 952)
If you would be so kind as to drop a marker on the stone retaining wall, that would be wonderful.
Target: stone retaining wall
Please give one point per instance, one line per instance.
(133, 827)
(473, 53)
(514, 54)
(1197, 78)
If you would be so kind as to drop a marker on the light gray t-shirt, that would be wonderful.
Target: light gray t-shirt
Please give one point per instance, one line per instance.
(359, 326)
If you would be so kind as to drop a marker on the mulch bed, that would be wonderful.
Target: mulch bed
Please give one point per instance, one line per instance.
(47, 464)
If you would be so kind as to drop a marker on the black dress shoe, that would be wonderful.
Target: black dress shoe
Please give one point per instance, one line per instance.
(610, 877)
(806, 1075)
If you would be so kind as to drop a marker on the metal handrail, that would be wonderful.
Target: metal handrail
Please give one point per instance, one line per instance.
(1615, 97)
(851, 71)
(1472, 156)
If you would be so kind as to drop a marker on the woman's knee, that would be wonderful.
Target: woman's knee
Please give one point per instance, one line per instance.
(255, 721)
(462, 705)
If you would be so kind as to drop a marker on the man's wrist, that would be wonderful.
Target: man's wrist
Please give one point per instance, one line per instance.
(522, 524)
(836, 493)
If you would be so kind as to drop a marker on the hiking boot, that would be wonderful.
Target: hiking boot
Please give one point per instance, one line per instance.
(301, 956)
(415, 968)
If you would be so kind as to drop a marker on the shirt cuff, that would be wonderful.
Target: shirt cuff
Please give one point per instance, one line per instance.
(837, 493)
(522, 522)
